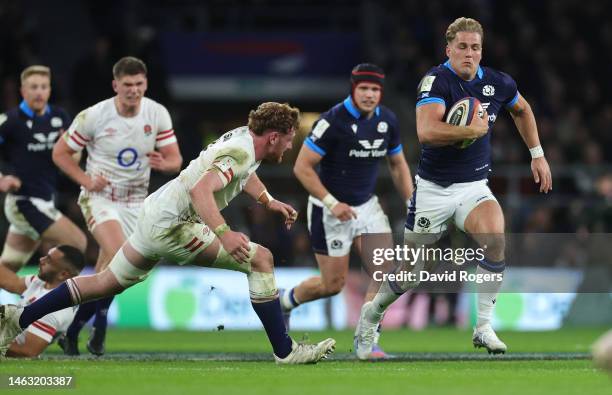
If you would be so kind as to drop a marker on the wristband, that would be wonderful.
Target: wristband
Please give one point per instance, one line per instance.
(330, 201)
(536, 152)
(265, 198)
(221, 230)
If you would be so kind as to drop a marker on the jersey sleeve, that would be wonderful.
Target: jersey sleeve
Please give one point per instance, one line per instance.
(510, 90)
(227, 168)
(81, 131)
(433, 88)
(165, 132)
(395, 142)
(57, 322)
(322, 137)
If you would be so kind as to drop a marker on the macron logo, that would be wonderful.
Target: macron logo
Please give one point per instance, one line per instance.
(44, 141)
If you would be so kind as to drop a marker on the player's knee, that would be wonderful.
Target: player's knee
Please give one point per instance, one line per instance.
(14, 259)
(263, 261)
(124, 272)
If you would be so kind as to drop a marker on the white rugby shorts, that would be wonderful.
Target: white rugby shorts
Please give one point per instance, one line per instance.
(332, 237)
(97, 210)
(432, 205)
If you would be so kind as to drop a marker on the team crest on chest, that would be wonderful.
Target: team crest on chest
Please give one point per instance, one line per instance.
(488, 90)
(147, 130)
(382, 127)
(56, 122)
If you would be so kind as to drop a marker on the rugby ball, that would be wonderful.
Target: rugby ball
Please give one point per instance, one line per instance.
(602, 352)
(462, 113)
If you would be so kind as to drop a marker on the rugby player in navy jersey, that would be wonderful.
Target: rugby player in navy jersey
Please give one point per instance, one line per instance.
(347, 143)
(27, 135)
(451, 183)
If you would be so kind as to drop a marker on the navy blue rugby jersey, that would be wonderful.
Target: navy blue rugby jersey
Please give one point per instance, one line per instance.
(449, 164)
(26, 143)
(352, 146)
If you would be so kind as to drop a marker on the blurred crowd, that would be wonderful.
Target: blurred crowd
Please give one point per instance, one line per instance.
(555, 50)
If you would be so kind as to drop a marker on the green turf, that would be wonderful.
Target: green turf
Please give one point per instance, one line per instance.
(226, 362)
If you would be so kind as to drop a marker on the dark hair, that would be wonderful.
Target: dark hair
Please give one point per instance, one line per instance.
(274, 116)
(73, 257)
(129, 65)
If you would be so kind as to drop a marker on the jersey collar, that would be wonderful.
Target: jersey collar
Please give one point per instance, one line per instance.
(479, 72)
(350, 107)
(29, 112)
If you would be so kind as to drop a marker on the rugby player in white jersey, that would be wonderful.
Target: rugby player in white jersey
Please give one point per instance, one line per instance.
(125, 136)
(181, 222)
(60, 263)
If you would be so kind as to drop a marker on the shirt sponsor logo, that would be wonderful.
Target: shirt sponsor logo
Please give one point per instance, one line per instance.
(44, 141)
(371, 149)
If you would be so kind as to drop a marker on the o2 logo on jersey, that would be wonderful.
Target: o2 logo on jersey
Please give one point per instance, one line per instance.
(127, 157)
(488, 90)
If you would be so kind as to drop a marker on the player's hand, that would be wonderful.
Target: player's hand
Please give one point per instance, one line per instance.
(541, 174)
(286, 210)
(343, 212)
(236, 244)
(158, 162)
(479, 126)
(96, 183)
(9, 184)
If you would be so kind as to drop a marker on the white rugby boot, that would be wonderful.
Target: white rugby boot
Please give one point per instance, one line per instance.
(366, 335)
(484, 336)
(9, 326)
(302, 353)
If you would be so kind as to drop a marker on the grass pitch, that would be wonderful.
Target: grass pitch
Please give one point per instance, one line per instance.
(435, 361)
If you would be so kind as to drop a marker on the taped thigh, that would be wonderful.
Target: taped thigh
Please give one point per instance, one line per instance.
(225, 261)
(125, 272)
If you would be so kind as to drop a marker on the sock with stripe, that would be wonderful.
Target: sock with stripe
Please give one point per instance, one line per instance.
(56, 300)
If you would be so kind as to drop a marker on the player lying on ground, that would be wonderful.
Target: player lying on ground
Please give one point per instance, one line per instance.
(181, 222)
(60, 264)
(451, 182)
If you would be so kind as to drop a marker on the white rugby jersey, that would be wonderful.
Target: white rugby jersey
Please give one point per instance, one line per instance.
(117, 146)
(232, 155)
(50, 325)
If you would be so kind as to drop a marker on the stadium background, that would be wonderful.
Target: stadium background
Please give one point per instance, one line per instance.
(211, 62)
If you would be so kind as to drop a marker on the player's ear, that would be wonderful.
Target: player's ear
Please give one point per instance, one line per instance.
(115, 85)
(448, 50)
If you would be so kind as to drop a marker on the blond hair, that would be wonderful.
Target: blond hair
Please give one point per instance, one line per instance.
(463, 25)
(35, 70)
(274, 116)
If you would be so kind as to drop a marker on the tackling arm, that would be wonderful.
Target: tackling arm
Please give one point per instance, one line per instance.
(431, 129)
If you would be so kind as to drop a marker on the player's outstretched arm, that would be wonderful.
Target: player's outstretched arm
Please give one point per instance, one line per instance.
(10, 281)
(400, 174)
(31, 348)
(525, 122)
(258, 191)
(63, 158)
(304, 170)
(431, 129)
